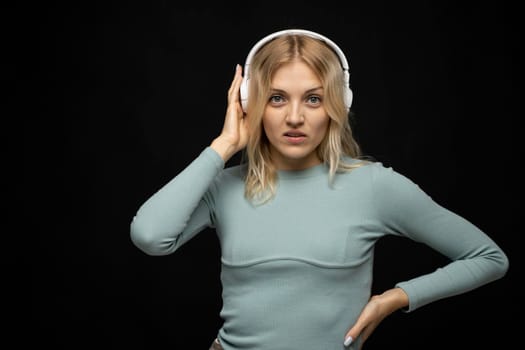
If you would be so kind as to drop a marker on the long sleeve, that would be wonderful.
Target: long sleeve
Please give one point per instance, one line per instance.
(407, 211)
(178, 211)
(312, 244)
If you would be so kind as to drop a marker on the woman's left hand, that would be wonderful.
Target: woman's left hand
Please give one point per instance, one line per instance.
(374, 312)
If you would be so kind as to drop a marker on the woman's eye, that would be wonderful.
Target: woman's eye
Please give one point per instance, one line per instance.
(276, 99)
(314, 99)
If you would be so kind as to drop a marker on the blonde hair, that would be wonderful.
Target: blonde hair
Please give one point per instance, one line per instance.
(261, 176)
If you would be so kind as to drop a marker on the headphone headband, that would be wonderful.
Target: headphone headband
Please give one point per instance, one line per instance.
(263, 41)
(266, 39)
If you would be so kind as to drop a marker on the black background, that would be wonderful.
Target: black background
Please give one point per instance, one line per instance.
(128, 93)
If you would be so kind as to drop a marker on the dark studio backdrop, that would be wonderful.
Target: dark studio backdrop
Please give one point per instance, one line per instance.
(130, 92)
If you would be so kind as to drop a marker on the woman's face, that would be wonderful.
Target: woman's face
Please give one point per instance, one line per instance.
(295, 120)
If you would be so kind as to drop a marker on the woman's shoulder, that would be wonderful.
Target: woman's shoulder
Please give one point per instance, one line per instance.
(372, 170)
(367, 165)
(233, 173)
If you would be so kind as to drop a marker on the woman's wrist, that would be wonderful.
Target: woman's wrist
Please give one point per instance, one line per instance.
(225, 149)
(393, 299)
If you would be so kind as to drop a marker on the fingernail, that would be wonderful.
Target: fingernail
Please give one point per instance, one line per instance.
(348, 341)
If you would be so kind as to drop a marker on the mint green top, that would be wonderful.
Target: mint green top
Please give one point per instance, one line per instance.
(297, 271)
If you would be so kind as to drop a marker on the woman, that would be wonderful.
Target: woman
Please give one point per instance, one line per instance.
(298, 219)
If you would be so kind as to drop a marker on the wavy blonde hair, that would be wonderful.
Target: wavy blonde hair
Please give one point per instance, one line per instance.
(261, 175)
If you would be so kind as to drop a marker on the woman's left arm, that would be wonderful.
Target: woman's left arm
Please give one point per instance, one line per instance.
(403, 209)
(406, 210)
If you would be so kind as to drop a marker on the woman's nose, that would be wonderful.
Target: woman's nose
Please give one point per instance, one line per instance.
(294, 116)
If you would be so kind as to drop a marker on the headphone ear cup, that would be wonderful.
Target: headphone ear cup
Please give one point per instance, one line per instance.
(349, 95)
(244, 93)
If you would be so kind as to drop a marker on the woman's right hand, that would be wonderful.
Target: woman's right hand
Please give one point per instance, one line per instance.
(234, 135)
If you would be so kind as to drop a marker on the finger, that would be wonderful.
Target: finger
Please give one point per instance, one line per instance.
(350, 337)
(352, 334)
(233, 92)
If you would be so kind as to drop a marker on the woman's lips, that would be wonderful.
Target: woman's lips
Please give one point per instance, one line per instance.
(294, 137)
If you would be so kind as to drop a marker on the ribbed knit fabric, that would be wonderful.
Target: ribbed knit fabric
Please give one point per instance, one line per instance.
(297, 271)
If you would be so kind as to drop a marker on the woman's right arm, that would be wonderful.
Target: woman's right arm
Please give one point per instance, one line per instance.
(178, 211)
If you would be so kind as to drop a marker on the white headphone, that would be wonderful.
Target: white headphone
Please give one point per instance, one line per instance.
(348, 95)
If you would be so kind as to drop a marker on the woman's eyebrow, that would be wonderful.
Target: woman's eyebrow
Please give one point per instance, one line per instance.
(306, 92)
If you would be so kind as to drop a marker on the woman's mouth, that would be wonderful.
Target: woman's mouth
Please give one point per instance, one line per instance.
(294, 137)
